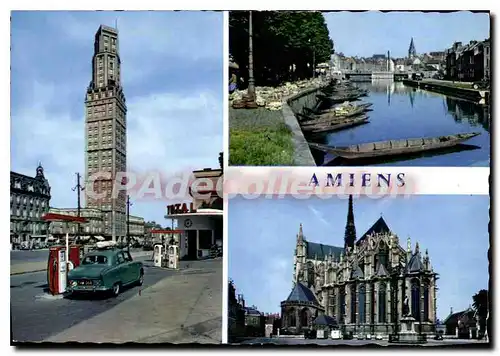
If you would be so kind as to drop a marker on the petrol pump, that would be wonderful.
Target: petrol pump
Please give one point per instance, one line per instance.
(158, 255)
(62, 258)
(56, 270)
(173, 256)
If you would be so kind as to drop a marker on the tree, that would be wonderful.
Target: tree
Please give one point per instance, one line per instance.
(281, 41)
(480, 305)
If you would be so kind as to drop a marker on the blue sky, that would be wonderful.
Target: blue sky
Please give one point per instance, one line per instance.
(367, 33)
(262, 235)
(172, 66)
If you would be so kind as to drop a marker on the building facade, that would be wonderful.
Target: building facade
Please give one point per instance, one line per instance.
(92, 228)
(29, 200)
(136, 228)
(106, 146)
(470, 62)
(361, 285)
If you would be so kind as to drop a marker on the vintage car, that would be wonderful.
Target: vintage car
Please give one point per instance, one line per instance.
(105, 270)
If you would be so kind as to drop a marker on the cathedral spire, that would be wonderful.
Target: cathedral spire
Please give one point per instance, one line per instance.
(411, 50)
(300, 235)
(350, 228)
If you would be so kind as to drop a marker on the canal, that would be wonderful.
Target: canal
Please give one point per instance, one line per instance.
(401, 112)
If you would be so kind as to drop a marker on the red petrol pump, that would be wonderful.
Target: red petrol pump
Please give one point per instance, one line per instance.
(60, 261)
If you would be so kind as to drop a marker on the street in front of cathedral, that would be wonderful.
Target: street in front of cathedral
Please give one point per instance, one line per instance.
(366, 286)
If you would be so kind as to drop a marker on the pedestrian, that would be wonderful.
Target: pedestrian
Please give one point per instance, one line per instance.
(233, 82)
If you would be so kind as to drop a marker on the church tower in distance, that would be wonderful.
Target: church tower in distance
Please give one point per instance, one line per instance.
(350, 228)
(412, 52)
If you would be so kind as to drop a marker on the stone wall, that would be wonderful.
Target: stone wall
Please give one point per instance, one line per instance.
(292, 105)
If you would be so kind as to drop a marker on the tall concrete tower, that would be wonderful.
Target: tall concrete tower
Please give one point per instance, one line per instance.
(106, 127)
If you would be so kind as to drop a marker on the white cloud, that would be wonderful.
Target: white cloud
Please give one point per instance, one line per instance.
(318, 214)
(165, 132)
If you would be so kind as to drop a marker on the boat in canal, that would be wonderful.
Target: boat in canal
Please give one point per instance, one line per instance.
(342, 112)
(336, 125)
(395, 147)
(336, 99)
(318, 113)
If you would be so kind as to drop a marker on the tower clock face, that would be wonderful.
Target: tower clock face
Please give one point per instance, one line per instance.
(188, 223)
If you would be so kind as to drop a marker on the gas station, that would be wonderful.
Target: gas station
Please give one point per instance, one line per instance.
(60, 262)
(201, 229)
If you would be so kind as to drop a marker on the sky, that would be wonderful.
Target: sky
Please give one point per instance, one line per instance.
(366, 33)
(262, 238)
(172, 68)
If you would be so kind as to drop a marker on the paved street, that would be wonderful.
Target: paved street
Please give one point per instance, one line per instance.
(329, 342)
(173, 306)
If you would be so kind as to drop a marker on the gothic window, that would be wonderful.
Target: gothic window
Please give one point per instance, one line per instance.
(353, 303)
(426, 302)
(341, 303)
(362, 304)
(415, 299)
(304, 318)
(332, 304)
(310, 274)
(382, 303)
(372, 305)
(383, 254)
(362, 266)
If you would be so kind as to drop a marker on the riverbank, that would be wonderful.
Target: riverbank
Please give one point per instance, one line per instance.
(456, 89)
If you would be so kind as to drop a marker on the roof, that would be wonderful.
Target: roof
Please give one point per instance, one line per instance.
(319, 251)
(300, 293)
(325, 320)
(415, 264)
(453, 318)
(62, 217)
(252, 311)
(380, 227)
(104, 252)
(199, 212)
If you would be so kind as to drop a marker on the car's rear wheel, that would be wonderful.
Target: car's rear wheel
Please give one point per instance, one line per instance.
(116, 289)
(141, 278)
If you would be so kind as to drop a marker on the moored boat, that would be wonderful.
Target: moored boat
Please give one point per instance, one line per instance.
(318, 113)
(338, 98)
(395, 147)
(336, 126)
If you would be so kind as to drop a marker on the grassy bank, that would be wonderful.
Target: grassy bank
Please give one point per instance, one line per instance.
(259, 137)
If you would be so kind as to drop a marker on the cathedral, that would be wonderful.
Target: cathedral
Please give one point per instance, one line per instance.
(362, 286)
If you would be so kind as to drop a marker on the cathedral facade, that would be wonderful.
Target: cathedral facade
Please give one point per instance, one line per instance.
(362, 285)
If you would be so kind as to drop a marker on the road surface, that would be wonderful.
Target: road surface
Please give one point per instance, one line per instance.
(36, 315)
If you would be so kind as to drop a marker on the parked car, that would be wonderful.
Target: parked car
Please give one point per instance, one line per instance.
(105, 270)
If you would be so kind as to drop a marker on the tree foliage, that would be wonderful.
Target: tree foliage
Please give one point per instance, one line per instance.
(281, 39)
(480, 305)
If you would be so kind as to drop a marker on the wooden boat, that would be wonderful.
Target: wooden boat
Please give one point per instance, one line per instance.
(336, 126)
(338, 98)
(314, 113)
(395, 147)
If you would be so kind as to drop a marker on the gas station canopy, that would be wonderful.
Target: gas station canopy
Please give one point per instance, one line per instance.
(63, 218)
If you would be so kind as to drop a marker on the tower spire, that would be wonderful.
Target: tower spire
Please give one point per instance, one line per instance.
(350, 228)
(411, 51)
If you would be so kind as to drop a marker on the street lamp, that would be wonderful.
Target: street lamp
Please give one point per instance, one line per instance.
(78, 188)
(314, 59)
(128, 222)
